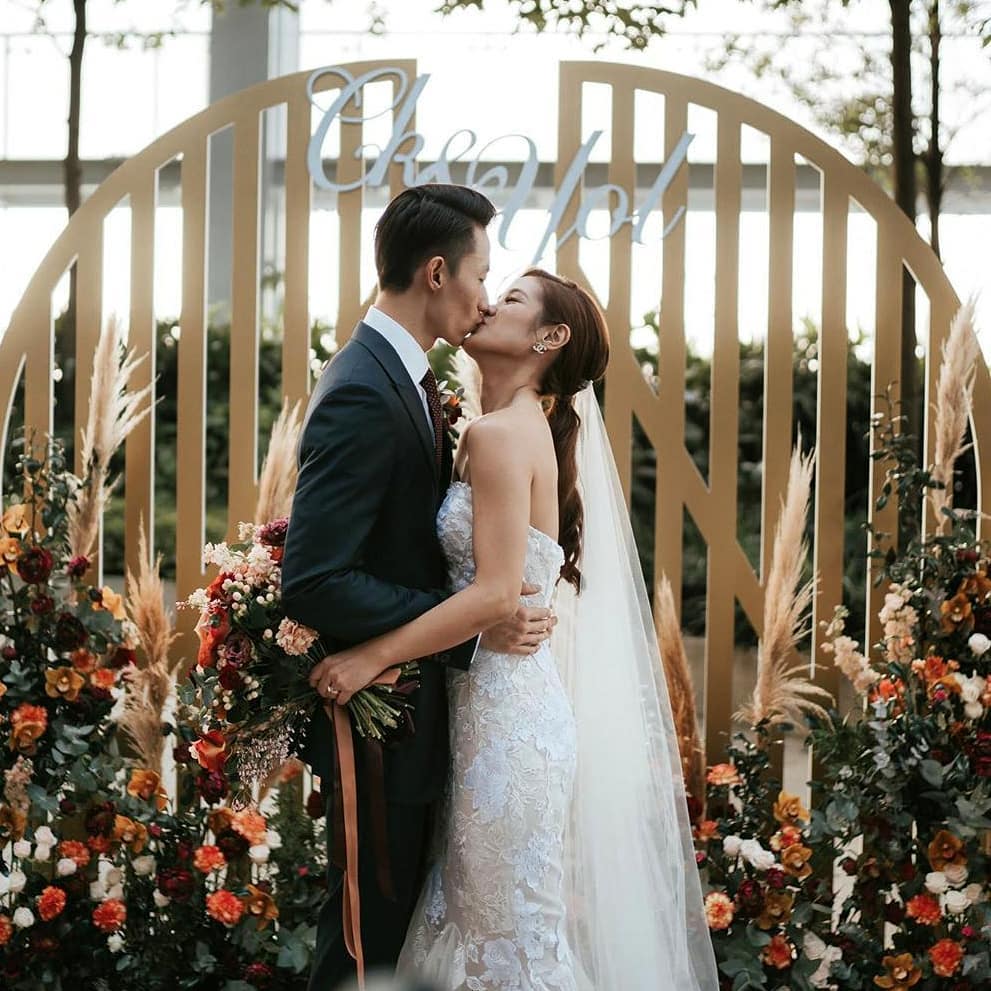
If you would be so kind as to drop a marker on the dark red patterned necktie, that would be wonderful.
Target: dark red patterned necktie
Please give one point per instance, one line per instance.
(429, 383)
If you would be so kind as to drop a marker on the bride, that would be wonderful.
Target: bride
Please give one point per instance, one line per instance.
(564, 857)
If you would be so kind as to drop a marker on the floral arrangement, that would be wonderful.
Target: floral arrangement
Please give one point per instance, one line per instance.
(251, 686)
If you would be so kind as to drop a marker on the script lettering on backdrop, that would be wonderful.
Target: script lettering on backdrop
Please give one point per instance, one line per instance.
(405, 145)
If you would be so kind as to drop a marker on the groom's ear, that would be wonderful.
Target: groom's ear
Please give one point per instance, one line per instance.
(434, 272)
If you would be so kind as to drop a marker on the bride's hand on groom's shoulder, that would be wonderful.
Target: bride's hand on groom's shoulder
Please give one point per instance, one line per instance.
(524, 633)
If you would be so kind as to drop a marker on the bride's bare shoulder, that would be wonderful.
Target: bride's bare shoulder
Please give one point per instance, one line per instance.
(503, 433)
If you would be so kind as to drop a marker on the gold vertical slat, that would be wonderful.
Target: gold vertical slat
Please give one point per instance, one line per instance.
(622, 173)
(89, 317)
(723, 437)
(831, 430)
(671, 362)
(191, 398)
(885, 373)
(140, 445)
(296, 326)
(569, 123)
(349, 206)
(778, 351)
(38, 383)
(243, 456)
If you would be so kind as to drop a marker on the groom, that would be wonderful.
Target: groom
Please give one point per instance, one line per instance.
(362, 555)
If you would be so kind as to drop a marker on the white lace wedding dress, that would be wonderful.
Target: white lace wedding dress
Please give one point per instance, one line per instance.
(492, 912)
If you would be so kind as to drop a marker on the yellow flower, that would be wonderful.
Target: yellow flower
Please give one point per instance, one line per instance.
(261, 905)
(794, 860)
(901, 975)
(63, 683)
(10, 551)
(788, 808)
(12, 823)
(777, 909)
(945, 849)
(147, 784)
(15, 519)
(132, 834)
(112, 602)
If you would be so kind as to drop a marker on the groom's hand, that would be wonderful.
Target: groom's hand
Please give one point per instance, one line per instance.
(524, 633)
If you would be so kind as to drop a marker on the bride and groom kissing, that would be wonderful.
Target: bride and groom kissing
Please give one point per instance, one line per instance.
(531, 833)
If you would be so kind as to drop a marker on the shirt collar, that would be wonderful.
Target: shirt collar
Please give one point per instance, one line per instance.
(403, 343)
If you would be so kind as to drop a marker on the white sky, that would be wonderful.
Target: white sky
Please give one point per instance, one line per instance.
(484, 76)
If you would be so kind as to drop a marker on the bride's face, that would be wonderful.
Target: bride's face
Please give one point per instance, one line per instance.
(513, 328)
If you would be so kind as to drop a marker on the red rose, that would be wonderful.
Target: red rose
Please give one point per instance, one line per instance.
(78, 566)
(212, 786)
(749, 899)
(233, 844)
(70, 634)
(42, 604)
(229, 678)
(35, 565)
(316, 806)
(274, 534)
(177, 883)
(259, 975)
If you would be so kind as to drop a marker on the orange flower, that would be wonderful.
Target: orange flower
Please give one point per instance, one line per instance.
(63, 683)
(225, 907)
(946, 957)
(209, 858)
(74, 850)
(789, 809)
(99, 844)
(3, 689)
(778, 953)
(220, 820)
(51, 902)
(945, 849)
(10, 551)
(794, 860)
(785, 837)
(924, 909)
(210, 750)
(6, 929)
(134, 835)
(723, 774)
(707, 829)
(110, 916)
(15, 519)
(977, 585)
(112, 602)
(147, 784)
(104, 678)
(933, 668)
(12, 823)
(261, 905)
(28, 723)
(251, 825)
(718, 910)
(212, 629)
(777, 909)
(956, 614)
(901, 975)
(83, 660)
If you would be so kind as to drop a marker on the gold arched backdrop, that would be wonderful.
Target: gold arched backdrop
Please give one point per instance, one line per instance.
(27, 347)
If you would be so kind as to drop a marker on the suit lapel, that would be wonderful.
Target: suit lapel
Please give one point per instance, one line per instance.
(386, 356)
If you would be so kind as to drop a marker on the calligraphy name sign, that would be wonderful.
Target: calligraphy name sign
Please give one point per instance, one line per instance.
(405, 145)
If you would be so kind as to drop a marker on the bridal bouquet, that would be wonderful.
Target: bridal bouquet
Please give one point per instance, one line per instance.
(251, 682)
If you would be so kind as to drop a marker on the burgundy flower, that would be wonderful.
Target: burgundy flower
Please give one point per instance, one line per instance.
(229, 678)
(121, 657)
(749, 899)
(274, 534)
(894, 912)
(42, 604)
(695, 809)
(316, 805)
(967, 556)
(259, 975)
(67, 806)
(44, 945)
(10, 652)
(907, 871)
(100, 819)
(176, 883)
(776, 878)
(35, 565)
(181, 754)
(302, 871)
(155, 830)
(70, 634)
(236, 650)
(212, 786)
(232, 845)
(78, 566)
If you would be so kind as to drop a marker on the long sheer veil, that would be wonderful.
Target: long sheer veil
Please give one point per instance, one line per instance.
(633, 897)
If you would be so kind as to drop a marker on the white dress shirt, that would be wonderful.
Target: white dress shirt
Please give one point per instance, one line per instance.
(410, 353)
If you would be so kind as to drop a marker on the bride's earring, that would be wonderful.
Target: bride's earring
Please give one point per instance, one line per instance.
(540, 347)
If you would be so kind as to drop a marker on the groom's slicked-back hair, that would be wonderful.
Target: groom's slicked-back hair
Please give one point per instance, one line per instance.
(425, 221)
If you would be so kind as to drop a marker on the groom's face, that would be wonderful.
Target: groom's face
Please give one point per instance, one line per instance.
(461, 303)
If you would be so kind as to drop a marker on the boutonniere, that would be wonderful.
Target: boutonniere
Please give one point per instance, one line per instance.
(451, 406)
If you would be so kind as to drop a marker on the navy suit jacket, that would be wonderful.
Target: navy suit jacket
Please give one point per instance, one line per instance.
(362, 555)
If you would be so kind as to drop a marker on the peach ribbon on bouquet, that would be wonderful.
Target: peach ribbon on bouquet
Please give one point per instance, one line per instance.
(344, 745)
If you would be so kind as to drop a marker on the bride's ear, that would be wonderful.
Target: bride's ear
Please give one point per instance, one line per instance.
(556, 336)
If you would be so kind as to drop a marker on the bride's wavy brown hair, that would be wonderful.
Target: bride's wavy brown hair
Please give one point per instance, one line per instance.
(582, 360)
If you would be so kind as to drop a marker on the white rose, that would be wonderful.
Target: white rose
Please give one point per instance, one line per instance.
(936, 882)
(4, 885)
(97, 891)
(42, 852)
(973, 710)
(112, 877)
(259, 854)
(974, 893)
(115, 942)
(813, 946)
(731, 846)
(44, 836)
(65, 867)
(756, 855)
(160, 900)
(23, 918)
(17, 880)
(273, 840)
(971, 689)
(956, 874)
(979, 644)
(22, 849)
(957, 902)
(116, 891)
(143, 866)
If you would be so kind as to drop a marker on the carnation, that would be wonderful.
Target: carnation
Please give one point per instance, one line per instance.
(294, 638)
(251, 825)
(51, 901)
(718, 910)
(109, 916)
(946, 957)
(924, 909)
(209, 858)
(225, 907)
